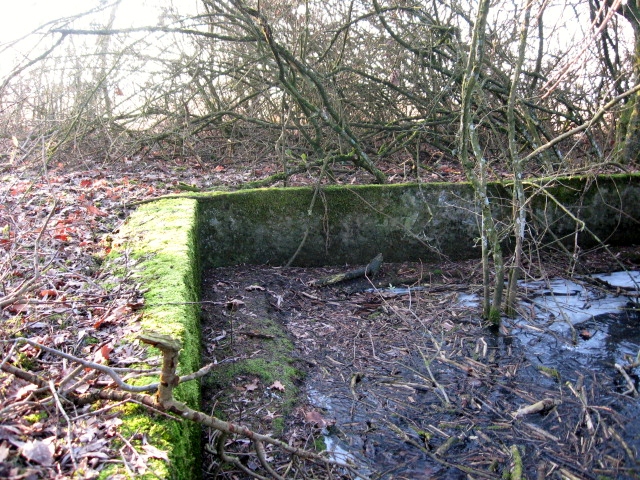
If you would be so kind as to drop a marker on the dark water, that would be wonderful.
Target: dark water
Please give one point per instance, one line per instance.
(577, 333)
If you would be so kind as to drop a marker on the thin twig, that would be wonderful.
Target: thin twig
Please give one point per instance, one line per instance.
(69, 435)
(107, 370)
(632, 387)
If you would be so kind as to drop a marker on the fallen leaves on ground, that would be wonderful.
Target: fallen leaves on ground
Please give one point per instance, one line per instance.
(56, 229)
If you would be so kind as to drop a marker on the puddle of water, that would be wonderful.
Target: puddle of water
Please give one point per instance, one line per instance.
(560, 311)
(469, 300)
(361, 438)
(582, 333)
(628, 280)
(574, 303)
(595, 328)
(396, 290)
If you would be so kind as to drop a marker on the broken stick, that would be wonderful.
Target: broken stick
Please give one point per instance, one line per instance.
(370, 270)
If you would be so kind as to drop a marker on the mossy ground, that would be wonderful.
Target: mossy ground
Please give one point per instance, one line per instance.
(265, 366)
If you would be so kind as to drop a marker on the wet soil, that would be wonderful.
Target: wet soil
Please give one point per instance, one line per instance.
(409, 383)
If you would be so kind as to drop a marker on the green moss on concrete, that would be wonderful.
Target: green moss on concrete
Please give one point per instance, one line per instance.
(409, 222)
(608, 206)
(346, 224)
(161, 237)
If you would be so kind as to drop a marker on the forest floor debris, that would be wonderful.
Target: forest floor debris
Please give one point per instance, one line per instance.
(408, 383)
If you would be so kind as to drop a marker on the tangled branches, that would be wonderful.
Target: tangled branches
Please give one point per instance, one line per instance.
(160, 402)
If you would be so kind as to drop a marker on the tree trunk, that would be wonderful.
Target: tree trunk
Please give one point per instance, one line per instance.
(517, 167)
(468, 138)
(631, 147)
(630, 151)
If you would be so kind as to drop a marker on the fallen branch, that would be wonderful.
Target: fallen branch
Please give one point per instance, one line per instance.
(370, 270)
(538, 407)
(95, 366)
(164, 403)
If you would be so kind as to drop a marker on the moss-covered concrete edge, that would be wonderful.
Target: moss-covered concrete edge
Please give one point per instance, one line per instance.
(405, 222)
(161, 238)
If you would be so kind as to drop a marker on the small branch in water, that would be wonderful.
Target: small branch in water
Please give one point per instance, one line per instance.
(632, 388)
(538, 407)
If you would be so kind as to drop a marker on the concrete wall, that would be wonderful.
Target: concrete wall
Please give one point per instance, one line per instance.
(351, 224)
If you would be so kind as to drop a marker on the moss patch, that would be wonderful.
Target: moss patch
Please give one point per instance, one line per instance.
(272, 364)
(260, 388)
(161, 238)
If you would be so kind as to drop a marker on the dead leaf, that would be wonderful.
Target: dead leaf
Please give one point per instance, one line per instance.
(139, 464)
(277, 385)
(154, 452)
(113, 316)
(234, 304)
(35, 325)
(250, 387)
(4, 451)
(447, 326)
(88, 435)
(102, 354)
(136, 304)
(94, 454)
(39, 451)
(252, 288)
(96, 211)
(24, 392)
(83, 388)
(48, 293)
(16, 308)
(313, 417)
(111, 426)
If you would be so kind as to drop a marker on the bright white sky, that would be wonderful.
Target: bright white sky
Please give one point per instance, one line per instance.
(20, 17)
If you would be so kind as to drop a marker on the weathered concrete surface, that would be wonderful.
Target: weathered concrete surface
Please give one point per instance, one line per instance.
(609, 207)
(346, 225)
(351, 224)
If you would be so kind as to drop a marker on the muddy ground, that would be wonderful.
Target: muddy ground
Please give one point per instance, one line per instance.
(408, 384)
